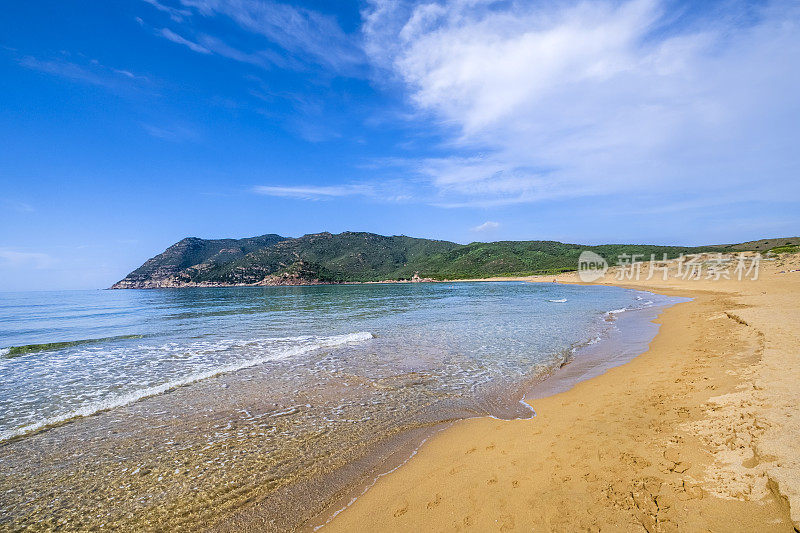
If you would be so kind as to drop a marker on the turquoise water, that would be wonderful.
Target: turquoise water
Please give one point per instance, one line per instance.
(117, 347)
(175, 409)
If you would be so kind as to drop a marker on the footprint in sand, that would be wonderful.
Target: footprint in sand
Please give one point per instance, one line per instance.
(401, 511)
(506, 523)
(456, 469)
(435, 502)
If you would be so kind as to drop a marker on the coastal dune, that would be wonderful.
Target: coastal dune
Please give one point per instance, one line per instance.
(697, 434)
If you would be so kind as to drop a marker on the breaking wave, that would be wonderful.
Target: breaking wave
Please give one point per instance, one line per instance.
(304, 344)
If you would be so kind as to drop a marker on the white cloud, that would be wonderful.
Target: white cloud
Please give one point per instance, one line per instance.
(175, 14)
(20, 207)
(78, 68)
(208, 44)
(175, 38)
(561, 99)
(17, 259)
(300, 34)
(393, 191)
(486, 226)
(311, 192)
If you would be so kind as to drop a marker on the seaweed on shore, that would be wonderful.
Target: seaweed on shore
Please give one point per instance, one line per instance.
(17, 351)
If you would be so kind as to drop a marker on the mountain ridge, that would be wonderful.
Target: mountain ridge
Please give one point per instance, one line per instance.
(319, 258)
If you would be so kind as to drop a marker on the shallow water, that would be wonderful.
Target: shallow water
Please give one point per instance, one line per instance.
(189, 403)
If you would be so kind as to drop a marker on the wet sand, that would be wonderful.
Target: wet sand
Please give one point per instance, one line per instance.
(698, 433)
(272, 446)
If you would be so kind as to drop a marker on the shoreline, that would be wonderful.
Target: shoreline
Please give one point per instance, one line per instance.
(584, 364)
(682, 467)
(171, 436)
(303, 283)
(696, 421)
(397, 450)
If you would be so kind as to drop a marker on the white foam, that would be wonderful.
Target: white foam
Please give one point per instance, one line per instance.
(595, 340)
(4, 351)
(561, 301)
(131, 397)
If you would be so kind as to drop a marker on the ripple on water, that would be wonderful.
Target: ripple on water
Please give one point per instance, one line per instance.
(271, 404)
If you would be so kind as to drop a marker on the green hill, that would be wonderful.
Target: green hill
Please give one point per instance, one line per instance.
(530, 257)
(360, 257)
(191, 252)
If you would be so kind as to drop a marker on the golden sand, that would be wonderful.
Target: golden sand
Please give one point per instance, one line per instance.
(700, 433)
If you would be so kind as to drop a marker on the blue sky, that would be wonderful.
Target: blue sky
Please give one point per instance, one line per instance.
(126, 126)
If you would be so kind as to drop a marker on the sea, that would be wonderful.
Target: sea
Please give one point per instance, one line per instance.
(181, 408)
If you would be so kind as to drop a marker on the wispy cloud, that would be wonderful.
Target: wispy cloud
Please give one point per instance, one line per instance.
(393, 191)
(313, 192)
(486, 226)
(297, 30)
(175, 38)
(174, 133)
(19, 207)
(311, 117)
(291, 36)
(549, 100)
(207, 44)
(78, 68)
(176, 14)
(17, 259)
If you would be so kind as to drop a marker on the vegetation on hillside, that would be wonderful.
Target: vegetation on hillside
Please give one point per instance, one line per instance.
(335, 258)
(786, 249)
(762, 245)
(191, 251)
(353, 257)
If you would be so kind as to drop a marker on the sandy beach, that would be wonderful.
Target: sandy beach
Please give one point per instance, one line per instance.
(699, 433)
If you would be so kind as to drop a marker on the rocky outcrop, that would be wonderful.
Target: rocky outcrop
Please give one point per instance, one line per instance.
(178, 265)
